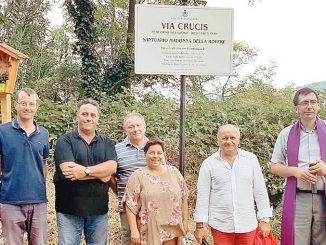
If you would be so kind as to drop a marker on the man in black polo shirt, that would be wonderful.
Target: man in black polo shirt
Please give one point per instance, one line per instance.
(85, 162)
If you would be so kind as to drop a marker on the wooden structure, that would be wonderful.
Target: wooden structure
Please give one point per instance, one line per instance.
(9, 64)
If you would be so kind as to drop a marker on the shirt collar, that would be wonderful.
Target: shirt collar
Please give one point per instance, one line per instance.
(127, 142)
(218, 153)
(303, 128)
(77, 135)
(16, 125)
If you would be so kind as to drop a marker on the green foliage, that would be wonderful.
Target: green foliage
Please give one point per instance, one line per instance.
(53, 71)
(261, 111)
(24, 27)
(82, 12)
(60, 76)
(23, 23)
(58, 118)
(103, 69)
(116, 77)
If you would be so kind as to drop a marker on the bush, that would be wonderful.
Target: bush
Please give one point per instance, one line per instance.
(260, 112)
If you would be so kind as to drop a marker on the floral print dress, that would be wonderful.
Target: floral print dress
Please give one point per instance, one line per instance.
(156, 200)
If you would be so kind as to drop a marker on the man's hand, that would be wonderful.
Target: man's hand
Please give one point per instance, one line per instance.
(72, 171)
(113, 184)
(200, 233)
(305, 175)
(65, 165)
(135, 236)
(318, 169)
(265, 228)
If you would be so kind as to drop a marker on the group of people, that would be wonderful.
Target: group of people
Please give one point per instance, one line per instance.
(232, 201)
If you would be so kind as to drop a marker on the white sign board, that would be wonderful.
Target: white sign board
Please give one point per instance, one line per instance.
(183, 40)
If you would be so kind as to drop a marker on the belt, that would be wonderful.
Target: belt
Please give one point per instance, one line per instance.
(319, 192)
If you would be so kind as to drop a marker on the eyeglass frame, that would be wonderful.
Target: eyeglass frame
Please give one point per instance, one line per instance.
(306, 103)
(24, 104)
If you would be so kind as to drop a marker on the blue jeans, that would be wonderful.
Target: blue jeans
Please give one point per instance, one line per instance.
(70, 228)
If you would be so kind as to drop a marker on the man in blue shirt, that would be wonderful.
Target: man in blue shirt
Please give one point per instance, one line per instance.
(24, 148)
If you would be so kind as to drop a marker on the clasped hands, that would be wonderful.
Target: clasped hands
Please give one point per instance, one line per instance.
(310, 175)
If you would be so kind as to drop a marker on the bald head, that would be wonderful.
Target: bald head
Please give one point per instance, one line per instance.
(228, 139)
(228, 127)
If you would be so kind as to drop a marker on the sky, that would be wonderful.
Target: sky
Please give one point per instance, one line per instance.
(289, 32)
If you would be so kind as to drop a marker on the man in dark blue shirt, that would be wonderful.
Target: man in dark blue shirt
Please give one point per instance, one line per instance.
(24, 148)
(85, 161)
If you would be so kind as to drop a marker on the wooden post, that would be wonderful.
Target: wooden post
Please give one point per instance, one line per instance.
(5, 107)
(9, 64)
(13, 72)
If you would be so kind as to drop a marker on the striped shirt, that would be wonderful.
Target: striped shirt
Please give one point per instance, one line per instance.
(129, 159)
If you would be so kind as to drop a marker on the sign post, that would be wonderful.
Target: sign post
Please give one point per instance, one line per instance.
(183, 40)
(182, 137)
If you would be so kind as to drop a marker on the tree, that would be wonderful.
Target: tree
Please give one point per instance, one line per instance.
(62, 82)
(116, 29)
(82, 12)
(25, 28)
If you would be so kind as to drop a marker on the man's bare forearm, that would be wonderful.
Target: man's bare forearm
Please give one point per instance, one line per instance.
(102, 171)
(297, 172)
(282, 170)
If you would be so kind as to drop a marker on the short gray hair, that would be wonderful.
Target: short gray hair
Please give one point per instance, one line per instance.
(133, 114)
(28, 91)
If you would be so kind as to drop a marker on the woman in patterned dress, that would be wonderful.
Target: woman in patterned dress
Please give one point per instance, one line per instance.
(156, 200)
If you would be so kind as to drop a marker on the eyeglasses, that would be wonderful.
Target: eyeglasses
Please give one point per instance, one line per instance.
(25, 104)
(306, 103)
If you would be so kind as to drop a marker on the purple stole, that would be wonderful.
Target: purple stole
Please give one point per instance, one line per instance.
(288, 212)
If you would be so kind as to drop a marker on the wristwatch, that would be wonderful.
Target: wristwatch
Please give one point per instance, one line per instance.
(87, 171)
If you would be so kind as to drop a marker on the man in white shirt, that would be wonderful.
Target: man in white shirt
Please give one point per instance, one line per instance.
(230, 182)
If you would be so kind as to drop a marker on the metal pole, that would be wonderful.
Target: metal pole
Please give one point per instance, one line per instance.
(182, 117)
(182, 123)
